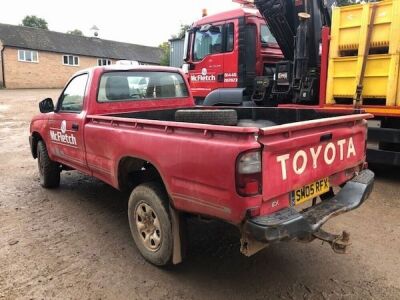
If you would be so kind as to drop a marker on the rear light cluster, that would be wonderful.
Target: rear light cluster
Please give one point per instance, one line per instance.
(248, 173)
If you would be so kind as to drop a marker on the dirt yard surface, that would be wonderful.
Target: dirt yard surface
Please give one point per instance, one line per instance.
(74, 242)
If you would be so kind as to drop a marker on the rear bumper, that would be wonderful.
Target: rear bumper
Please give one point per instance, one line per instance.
(289, 224)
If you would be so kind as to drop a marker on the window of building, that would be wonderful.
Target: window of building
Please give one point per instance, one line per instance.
(71, 60)
(139, 86)
(28, 56)
(103, 62)
(71, 99)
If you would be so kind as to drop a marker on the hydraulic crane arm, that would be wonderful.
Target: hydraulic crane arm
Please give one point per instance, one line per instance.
(296, 26)
(279, 15)
(282, 19)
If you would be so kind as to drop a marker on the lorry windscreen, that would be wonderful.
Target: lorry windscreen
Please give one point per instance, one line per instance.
(140, 85)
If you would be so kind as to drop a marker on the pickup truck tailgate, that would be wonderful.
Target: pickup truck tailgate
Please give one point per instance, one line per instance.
(298, 154)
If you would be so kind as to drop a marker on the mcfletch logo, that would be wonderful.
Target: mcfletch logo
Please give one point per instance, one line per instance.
(203, 76)
(62, 136)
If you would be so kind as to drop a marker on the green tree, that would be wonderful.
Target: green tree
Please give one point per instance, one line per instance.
(182, 31)
(165, 47)
(75, 32)
(34, 21)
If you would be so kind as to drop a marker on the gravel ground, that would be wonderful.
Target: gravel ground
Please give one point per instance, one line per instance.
(74, 242)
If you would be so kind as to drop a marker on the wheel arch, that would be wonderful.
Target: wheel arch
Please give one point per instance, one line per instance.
(34, 139)
(133, 171)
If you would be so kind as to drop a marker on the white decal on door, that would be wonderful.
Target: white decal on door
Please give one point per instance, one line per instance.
(61, 135)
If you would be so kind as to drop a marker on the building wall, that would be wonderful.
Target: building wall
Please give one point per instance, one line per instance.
(176, 53)
(48, 72)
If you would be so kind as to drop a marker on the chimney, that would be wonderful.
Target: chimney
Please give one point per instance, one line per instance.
(95, 31)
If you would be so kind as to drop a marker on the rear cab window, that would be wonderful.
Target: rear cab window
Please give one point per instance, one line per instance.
(141, 85)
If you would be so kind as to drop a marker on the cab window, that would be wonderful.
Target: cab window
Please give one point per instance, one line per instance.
(229, 37)
(139, 86)
(71, 99)
(266, 35)
(207, 41)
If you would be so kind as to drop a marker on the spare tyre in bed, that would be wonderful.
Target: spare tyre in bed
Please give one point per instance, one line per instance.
(227, 117)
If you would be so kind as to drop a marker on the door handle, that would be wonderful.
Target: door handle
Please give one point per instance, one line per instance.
(220, 77)
(75, 127)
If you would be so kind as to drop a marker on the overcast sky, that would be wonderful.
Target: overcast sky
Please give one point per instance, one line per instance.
(147, 22)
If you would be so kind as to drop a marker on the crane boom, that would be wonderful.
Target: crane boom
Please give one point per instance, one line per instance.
(296, 26)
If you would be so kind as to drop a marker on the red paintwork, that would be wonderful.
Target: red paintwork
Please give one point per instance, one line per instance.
(325, 31)
(285, 139)
(228, 63)
(197, 162)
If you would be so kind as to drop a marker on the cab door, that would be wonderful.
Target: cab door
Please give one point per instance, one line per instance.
(67, 124)
(207, 69)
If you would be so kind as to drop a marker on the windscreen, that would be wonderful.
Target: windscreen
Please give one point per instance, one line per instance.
(135, 85)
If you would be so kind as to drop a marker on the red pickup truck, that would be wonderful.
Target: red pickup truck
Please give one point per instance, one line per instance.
(275, 173)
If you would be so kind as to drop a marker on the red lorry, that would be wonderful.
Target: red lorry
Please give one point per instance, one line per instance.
(231, 54)
(275, 173)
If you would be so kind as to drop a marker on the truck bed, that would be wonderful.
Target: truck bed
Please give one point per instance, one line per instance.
(246, 116)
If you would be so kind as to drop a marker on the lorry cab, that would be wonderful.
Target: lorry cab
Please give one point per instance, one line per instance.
(227, 52)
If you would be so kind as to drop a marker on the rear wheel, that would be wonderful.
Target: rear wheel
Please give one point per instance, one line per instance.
(49, 171)
(150, 223)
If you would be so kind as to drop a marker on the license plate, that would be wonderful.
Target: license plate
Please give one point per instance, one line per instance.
(309, 191)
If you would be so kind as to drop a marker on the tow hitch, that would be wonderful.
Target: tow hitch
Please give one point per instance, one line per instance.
(338, 242)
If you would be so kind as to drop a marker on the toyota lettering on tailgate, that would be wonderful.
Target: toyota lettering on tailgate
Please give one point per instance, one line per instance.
(342, 149)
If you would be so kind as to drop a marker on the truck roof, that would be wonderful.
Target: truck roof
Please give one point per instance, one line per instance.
(230, 14)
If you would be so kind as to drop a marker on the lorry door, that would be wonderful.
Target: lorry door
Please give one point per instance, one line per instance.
(230, 54)
(67, 123)
(207, 73)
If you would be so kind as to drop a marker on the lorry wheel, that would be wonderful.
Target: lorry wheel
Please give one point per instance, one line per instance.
(150, 223)
(49, 171)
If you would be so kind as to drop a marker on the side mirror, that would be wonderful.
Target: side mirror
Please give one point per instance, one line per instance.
(46, 105)
(186, 46)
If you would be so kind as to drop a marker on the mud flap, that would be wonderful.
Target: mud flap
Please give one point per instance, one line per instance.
(176, 220)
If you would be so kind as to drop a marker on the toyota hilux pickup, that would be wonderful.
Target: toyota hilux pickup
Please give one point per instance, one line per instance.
(277, 174)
